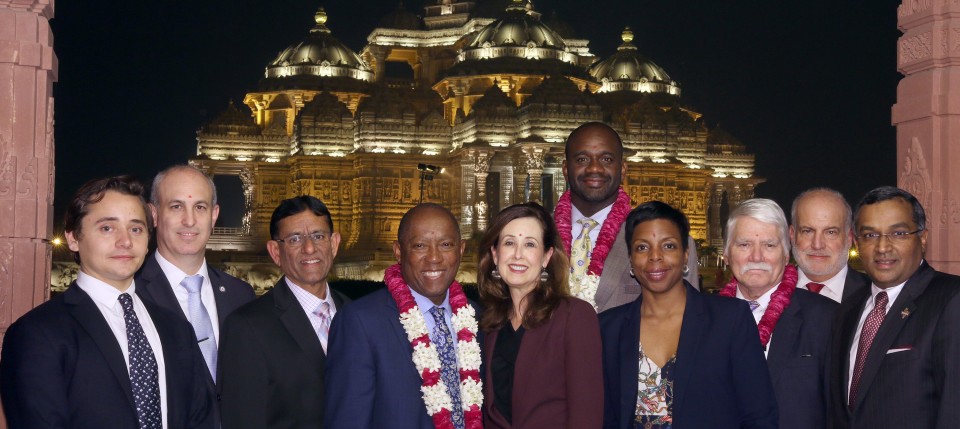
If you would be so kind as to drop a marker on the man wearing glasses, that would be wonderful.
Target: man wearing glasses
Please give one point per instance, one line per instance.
(273, 350)
(896, 345)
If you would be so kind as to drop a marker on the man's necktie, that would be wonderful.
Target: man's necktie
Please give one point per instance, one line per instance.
(815, 287)
(449, 372)
(200, 320)
(753, 305)
(323, 312)
(144, 378)
(870, 327)
(581, 248)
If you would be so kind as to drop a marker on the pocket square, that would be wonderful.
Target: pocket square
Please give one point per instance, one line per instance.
(898, 350)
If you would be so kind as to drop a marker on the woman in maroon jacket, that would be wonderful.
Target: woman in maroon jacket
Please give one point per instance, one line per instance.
(542, 347)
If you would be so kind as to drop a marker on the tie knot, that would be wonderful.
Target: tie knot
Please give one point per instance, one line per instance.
(323, 310)
(437, 313)
(753, 305)
(880, 300)
(192, 283)
(815, 287)
(588, 224)
(126, 301)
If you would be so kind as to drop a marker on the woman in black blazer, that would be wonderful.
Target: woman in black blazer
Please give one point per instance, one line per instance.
(676, 358)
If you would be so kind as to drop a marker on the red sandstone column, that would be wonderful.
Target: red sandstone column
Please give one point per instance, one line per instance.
(927, 117)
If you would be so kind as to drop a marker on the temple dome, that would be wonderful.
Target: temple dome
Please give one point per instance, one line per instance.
(319, 54)
(629, 70)
(517, 28)
(401, 19)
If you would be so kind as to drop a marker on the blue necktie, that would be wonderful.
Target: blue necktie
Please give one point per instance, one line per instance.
(200, 320)
(449, 372)
(144, 378)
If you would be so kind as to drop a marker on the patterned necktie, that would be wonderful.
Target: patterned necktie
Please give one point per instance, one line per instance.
(449, 372)
(581, 248)
(144, 378)
(870, 327)
(323, 312)
(753, 305)
(815, 287)
(200, 320)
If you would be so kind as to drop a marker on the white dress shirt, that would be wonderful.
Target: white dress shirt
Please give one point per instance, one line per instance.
(764, 301)
(576, 228)
(310, 302)
(175, 276)
(425, 304)
(892, 294)
(107, 299)
(832, 287)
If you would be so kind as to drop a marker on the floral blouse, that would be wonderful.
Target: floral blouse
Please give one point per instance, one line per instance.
(654, 394)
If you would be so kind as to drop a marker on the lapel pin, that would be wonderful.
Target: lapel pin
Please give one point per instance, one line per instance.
(904, 313)
(223, 289)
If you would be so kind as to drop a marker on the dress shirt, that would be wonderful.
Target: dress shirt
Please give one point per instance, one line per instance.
(176, 275)
(107, 299)
(311, 302)
(832, 287)
(425, 304)
(600, 217)
(764, 301)
(892, 294)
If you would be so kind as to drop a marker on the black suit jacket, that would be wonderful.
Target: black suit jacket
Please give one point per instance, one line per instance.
(798, 356)
(912, 373)
(855, 282)
(62, 367)
(271, 364)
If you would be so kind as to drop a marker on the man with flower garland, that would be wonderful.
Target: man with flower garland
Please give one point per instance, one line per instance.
(590, 217)
(794, 323)
(407, 356)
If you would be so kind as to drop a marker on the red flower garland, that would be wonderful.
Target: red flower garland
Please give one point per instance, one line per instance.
(778, 301)
(563, 217)
(458, 300)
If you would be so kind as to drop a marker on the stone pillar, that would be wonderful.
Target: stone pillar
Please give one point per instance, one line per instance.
(927, 117)
(481, 168)
(716, 227)
(534, 166)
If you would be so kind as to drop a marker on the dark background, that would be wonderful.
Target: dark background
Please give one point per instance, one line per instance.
(807, 86)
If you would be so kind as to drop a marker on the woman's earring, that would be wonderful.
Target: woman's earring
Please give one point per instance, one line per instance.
(686, 270)
(632, 274)
(544, 275)
(495, 273)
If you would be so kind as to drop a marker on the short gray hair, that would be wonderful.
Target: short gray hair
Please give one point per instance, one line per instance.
(158, 179)
(762, 210)
(848, 212)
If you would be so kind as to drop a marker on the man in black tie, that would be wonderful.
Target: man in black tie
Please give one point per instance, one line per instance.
(896, 344)
(98, 356)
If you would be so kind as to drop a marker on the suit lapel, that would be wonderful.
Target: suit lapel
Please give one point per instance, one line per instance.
(629, 360)
(784, 341)
(692, 329)
(85, 311)
(296, 321)
(157, 288)
(613, 268)
(219, 294)
(848, 329)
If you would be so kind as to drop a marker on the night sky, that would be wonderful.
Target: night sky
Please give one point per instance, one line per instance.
(807, 86)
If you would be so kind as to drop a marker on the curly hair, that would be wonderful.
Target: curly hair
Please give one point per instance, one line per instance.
(495, 294)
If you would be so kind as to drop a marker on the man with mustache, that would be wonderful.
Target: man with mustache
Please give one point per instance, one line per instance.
(794, 323)
(821, 233)
(590, 217)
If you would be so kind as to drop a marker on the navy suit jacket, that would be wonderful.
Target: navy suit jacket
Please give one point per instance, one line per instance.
(854, 283)
(799, 351)
(720, 377)
(272, 363)
(911, 377)
(371, 379)
(62, 367)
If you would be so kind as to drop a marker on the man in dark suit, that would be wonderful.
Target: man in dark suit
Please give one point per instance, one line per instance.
(594, 167)
(372, 381)
(183, 202)
(794, 323)
(821, 233)
(896, 345)
(273, 350)
(97, 356)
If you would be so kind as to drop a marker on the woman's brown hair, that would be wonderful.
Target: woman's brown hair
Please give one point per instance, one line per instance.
(494, 292)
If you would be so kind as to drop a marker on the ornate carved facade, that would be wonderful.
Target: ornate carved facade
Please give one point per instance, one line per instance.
(485, 93)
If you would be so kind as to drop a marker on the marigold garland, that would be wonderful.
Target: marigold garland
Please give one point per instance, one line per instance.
(778, 301)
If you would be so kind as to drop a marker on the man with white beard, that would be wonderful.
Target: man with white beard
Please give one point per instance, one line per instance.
(794, 323)
(821, 231)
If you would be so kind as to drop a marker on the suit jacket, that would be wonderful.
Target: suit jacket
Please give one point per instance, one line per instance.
(720, 378)
(854, 283)
(617, 287)
(371, 379)
(62, 367)
(799, 351)
(271, 364)
(558, 377)
(911, 377)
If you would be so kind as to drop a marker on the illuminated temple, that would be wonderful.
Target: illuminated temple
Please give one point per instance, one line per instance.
(466, 106)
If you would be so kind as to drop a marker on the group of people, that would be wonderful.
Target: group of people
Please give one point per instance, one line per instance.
(162, 340)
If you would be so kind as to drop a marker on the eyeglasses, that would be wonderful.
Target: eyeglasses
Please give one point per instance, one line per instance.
(297, 240)
(874, 237)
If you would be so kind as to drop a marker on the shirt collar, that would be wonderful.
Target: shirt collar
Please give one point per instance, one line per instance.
(307, 300)
(101, 292)
(426, 304)
(175, 275)
(763, 300)
(833, 284)
(599, 216)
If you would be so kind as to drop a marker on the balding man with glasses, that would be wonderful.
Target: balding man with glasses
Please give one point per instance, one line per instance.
(273, 350)
(896, 344)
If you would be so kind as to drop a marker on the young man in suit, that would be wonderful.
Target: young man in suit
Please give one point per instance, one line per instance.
(590, 216)
(372, 380)
(98, 356)
(897, 343)
(273, 350)
(176, 276)
(794, 323)
(821, 232)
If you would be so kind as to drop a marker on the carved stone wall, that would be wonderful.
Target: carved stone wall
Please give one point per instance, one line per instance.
(927, 117)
